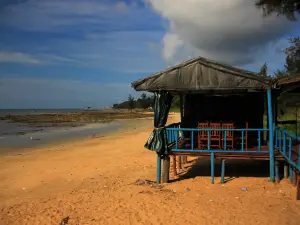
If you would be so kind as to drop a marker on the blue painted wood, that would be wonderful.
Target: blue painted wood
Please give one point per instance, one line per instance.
(288, 133)
(223, 171)
(271, 143)
(215, 151)
(284, 143)
(242, 140)
(158, 169)
(276, 138)
(176, 138)
(283, 150)
(259, 141)
(291, 163)
(220, 129)
(192, 144)
(212, 167)
(290, 148)
(280, 141)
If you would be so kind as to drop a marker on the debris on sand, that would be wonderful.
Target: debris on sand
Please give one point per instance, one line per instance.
(148, 183)
(64, 221)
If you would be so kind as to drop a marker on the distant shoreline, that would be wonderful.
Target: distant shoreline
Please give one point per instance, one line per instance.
(32, 131)
(45, 119)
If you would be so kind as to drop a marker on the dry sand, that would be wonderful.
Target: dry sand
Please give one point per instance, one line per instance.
(93, 182)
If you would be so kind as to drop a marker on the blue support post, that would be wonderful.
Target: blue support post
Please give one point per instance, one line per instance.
(271, 143)
(158, 169)
(212, 167)
(192, 144)
(222, 171)
(242, 140)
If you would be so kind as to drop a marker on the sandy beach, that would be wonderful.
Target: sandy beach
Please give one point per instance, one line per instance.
(101, 180)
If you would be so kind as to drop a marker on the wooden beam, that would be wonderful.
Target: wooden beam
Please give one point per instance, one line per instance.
(166, 169)
(222, 171)
(298, 186)
(286, 170)
(294, 178)
(174, 165)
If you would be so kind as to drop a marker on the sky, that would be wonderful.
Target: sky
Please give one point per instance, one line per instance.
(85, 53)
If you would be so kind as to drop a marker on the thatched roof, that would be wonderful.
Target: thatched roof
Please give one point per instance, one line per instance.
(288, 79)
(201, 75)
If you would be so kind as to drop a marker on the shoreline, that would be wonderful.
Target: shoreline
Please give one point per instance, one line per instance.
(82, 178)
(87, 132)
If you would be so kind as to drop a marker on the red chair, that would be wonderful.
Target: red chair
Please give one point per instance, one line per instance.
(229, 135)
(202, 135)
(215, 135)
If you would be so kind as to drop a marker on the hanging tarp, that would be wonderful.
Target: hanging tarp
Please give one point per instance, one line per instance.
(158, 138)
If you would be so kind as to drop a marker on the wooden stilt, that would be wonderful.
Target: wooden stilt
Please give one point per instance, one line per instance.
(286, 170)
(277, 171)
(298, 186)
(222, 171)
(174, 166)
(179, 162)
(166, 169)
(291, 173)
(294, 179)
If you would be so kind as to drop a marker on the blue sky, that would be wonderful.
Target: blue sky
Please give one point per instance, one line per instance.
(70, 54)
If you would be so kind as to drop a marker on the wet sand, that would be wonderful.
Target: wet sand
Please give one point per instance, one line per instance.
(94, 181)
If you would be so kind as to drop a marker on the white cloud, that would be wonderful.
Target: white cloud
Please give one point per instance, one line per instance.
(17, 57)
(232, 31)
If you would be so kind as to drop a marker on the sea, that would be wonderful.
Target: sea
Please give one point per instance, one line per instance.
(4, 112)
(19, 136)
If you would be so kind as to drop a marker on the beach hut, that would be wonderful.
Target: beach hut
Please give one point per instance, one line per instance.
(223, 109)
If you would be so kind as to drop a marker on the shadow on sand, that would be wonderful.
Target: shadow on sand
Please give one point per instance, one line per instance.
(234, 168)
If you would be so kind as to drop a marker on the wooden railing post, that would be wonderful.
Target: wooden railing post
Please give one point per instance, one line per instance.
(271, 143)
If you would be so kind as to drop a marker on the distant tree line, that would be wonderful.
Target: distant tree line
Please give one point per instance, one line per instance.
(292, 61)
(289, 8)
(143, 102)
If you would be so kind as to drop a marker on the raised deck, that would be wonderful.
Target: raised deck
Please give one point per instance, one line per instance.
(286, 149)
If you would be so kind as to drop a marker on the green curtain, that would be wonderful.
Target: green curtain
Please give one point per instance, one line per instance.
(158, 138)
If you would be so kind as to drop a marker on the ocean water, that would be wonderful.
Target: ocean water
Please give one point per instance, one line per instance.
(20, 136)
(4, 112)
(54, 135)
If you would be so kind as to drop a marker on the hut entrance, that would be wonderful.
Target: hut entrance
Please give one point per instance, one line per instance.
(236, 111)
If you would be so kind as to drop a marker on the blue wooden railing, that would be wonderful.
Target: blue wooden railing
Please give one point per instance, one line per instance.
(174, 135)
(288, 145)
